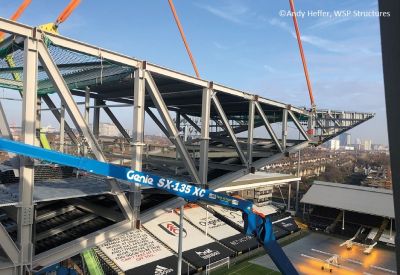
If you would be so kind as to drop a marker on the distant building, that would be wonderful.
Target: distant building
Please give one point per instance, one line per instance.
(334, 144)
(345, 139)
(358, 140)
(108, 129)
(367, 145)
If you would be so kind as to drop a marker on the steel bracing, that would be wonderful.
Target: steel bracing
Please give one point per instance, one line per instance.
(226, 147)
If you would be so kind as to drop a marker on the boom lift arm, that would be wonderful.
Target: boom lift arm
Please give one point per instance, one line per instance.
(255, 224)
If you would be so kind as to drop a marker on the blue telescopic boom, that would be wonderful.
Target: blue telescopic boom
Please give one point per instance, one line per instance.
(254, 225)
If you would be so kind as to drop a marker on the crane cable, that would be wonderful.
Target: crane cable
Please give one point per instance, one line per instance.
(303, 59)
(178, 23)
(17, 14)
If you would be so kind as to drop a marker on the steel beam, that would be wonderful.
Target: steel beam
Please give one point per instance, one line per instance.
(116, 122)
(10, 26)
(80, 123)
(23, 30)
(59, 117)
(4, 126)
(138, 140)
(64, 227)
(76, 246)
(105, 212)
(191, 122)
(205, 135)
(169, 124)
(6, 132)
(268, 126)
(298, 125)
(250, 133)
(236, 130)
(157, 121)
(228, 128)
(66, 97)
(26, 185)
(8, 246)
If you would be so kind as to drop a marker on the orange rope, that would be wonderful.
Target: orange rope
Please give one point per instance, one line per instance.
(303, 59)
(20, 10)
(67, 11)
(178, 23)
(17, 14)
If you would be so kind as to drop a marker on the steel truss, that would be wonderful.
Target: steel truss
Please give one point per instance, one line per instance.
(214, 159)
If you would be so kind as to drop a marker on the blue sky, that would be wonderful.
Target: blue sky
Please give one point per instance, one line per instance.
(245, 45)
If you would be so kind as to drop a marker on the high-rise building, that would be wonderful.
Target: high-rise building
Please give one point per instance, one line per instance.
(334, 144)
(367, 144)
(345, 139)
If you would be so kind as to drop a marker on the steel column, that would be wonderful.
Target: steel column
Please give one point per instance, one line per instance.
(96, 118)
(268, 126)
(289, 194)
(180, 241)
(62, 128)
(138, 140)
(343, 220)
(169, 124)
(86, 114)
(297, 196)
(228, 127)
(250, 133)
(284, 128)
(26, 185)
(205, 135)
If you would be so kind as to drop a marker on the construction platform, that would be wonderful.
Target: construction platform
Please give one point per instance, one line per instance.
(233, 134)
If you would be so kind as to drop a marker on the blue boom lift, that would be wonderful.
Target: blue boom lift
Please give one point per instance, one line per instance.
(255, 224)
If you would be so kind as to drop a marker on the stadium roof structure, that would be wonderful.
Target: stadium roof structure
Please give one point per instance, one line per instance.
(361, 199)
(57, 70)
(258, 179)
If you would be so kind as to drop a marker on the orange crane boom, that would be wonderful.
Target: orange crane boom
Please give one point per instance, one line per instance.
(53, 27)
(303, 59)
(178, 23)
(67, 11)
(17, 14)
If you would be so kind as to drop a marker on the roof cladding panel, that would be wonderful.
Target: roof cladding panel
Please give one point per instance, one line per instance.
(367, 200)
